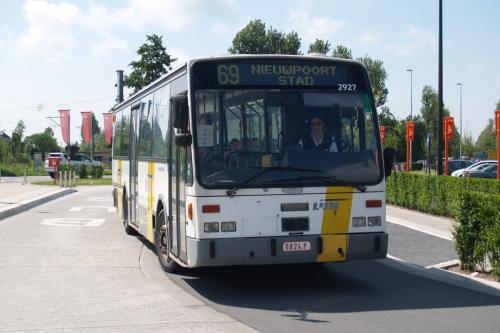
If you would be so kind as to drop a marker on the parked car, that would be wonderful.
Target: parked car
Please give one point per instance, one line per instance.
(489, 172)
(80, 159)
(454, 165)
(476, 166)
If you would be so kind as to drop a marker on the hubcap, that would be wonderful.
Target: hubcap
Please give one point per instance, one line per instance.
(163, 242)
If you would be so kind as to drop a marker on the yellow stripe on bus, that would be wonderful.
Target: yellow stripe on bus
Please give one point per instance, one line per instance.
(151, 171)
(335, 224)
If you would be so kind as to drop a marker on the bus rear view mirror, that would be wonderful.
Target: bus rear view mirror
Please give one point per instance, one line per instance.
(180, 112)
(389, 154)
(183, 139)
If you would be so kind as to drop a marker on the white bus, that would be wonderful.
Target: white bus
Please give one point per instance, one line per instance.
(253, 159)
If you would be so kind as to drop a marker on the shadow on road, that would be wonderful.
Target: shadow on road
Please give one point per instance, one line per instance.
(324, 288)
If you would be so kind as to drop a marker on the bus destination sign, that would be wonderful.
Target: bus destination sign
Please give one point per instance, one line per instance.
(283, 75)
(341, 76)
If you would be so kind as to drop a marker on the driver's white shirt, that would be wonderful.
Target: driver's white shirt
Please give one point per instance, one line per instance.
(333, 147)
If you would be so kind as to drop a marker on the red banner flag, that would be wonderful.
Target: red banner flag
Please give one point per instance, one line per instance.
(64, 120)
(108, 126)
(86, 125)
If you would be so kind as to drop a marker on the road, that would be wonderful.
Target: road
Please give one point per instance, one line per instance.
(69, 266)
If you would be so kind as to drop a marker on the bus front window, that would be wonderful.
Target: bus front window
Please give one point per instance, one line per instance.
(241, 132)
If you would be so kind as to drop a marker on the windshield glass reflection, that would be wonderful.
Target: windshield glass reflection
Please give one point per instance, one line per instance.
(240, 132)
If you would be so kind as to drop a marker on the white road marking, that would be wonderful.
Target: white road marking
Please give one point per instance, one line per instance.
(99, 199)
(445, 264)
(110, 209)
(394, 258)
(72, 222)
(416, 227)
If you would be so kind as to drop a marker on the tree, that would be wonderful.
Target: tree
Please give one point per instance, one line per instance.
(255, 39)
(486, 139)
(49, 131)
(319, 46)
(154, 61)
(378, 76)
(17, 144)
(468, 145)
(342, 52)
(43, 142)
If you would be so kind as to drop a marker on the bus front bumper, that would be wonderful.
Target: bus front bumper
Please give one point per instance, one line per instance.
(270, 250)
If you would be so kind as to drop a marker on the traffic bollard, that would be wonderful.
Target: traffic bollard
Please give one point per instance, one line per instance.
(24, 180)
(60, 179)
(0, 175)
(65, 178)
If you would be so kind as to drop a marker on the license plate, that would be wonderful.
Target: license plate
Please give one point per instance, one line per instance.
(296, 246)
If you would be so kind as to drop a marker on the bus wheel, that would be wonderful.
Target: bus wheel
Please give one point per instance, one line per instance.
(128, 229)
(163, 243)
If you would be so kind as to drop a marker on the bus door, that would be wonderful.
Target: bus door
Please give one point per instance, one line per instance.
(177, 196)
(134, 133)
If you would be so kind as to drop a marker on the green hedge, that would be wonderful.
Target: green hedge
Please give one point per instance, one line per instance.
(477, 231)
(436, 195)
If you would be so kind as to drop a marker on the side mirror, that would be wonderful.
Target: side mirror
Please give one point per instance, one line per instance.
(389, 154)
(183, 139)
(180, 112)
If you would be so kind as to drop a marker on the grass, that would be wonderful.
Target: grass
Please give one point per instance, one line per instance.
(17, 170)
(79, 182)
(107, 172)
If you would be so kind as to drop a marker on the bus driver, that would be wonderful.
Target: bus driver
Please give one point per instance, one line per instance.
(316, 140)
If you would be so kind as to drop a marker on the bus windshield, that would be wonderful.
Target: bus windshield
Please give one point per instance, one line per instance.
(263, 121)
(304, 137)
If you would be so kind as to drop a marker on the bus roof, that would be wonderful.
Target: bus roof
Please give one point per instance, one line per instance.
(182, 66)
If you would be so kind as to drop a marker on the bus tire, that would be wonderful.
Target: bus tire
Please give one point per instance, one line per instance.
(163, 243)
(128, 229)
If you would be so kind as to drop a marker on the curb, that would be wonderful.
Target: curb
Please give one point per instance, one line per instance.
(444, 276)
(36, 202)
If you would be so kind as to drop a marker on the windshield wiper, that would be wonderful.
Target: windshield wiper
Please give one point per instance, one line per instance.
(324, 179)
(231, 192)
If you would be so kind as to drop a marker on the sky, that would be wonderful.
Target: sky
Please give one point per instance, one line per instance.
(64, 54)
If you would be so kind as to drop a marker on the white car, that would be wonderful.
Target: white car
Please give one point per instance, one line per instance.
(80, 159)
(476, 166)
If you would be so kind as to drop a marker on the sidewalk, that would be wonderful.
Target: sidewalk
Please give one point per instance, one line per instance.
(15, 197)
(434, 225)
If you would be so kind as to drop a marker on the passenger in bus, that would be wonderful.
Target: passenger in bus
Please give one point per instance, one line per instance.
(316, 140)
(234, 146)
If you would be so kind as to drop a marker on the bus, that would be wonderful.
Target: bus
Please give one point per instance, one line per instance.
(253, 160)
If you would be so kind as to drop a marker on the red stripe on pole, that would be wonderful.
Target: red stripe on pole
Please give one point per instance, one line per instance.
(86, 125)
(108, 126)
(64, 120)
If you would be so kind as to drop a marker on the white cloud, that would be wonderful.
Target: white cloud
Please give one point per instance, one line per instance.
(414, 39)
(50, 29)
(310, 27)
(55, 29)
(108, 45)
(369, 37)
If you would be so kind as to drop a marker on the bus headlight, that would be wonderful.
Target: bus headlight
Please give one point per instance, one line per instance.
(211, 227)
(374, 221)
(228, 226)
(359, 221)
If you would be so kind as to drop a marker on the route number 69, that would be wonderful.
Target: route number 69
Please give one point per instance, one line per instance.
(228, 74)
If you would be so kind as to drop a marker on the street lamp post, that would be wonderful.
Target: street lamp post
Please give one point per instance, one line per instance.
(411, 111)
(460, 144)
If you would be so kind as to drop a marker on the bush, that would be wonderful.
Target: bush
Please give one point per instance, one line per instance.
(96, 172)
(82, 172)
(477, 231)
(436, 195)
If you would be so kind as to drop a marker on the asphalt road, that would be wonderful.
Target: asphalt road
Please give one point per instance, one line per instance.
(68, 268)
(417, 247)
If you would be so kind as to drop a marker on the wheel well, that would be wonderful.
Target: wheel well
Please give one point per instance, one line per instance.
(159, 207)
